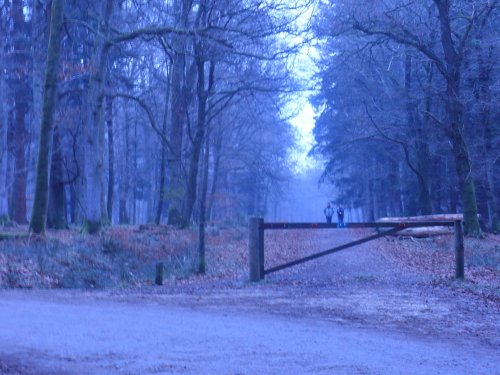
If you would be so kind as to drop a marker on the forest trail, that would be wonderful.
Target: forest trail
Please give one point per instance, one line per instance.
(361, 262)
(354, 312)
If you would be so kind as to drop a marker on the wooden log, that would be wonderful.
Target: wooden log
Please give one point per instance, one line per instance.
(378, 224)
(425, 231)
(437, 217)
(13, 235)
(256, 248)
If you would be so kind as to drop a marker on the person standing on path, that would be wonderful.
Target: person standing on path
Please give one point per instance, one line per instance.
(328, 211)
(340, 214)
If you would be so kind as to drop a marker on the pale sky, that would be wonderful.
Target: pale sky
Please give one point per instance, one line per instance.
(303, 122)
(304, 69)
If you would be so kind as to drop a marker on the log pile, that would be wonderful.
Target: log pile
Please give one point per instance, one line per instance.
(424, 231)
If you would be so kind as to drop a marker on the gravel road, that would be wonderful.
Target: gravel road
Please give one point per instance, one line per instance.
(84, 335)
(355, 312)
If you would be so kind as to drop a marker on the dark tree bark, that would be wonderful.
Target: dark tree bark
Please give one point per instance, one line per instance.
(415, 125)
(95, 190)
(483, 95)
(454, 59)
(18, 134)
(39, 214)
(56, 215)
(135, 187)
(203, 210)
(4, 207)
(123, 212)
(111, 158)
(163, 163)
(215, 177)
(178, 108)
(202, 95)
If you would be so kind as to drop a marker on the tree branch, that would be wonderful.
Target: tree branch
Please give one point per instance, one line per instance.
(151, 118)
(401, 143)
(408, 42)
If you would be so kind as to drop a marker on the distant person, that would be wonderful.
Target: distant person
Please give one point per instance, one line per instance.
(340, 214)
(328, 211)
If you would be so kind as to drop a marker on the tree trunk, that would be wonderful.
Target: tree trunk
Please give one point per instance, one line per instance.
(40, 28)
(215, 178)
(394, 190)
(203, 206)
(94, 153)
(178, 109)
(163, 163)
(415, 125)
(428, 133)
(483, 95)
(123, 213)
(123, 217)
(451, 187)
(4, 207)
(20, 88)
(56, 215)
(370, 208)
(202, 94)
(39, 213)
(134, 187)
(197, 144)
(464, 172)
(111, 158)
(455, 116)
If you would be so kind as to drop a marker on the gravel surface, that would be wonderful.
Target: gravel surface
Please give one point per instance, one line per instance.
(88, 336)
(356, 312)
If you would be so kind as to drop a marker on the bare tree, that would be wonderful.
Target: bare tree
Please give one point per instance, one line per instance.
(39, 215)
(439, 33)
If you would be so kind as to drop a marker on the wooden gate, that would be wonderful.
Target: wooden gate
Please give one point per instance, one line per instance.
(256, 241)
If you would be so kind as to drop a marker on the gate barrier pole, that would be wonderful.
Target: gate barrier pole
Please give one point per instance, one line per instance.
(459, 250)
(256, 248)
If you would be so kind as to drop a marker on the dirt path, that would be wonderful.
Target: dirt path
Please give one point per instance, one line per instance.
(365, 285)
(365, 262)
(355, 312)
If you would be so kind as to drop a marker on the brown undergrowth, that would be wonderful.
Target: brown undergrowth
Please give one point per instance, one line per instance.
(119, 256)
(434, 256)
(126, 255)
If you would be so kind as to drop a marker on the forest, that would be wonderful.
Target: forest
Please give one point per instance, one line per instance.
(409, 94)
(165, 167)
(117, 112)
(149, 111)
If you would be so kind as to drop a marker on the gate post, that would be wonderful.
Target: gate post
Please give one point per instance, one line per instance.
(459, 250)
(256, 248)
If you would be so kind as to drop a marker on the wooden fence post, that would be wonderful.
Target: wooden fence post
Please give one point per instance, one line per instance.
(256, 248)
(159, 273)
(459, 250)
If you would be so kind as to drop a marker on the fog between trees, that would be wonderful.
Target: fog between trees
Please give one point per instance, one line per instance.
(117, 112)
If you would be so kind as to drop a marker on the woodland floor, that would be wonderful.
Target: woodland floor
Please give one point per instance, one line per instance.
(389, 306)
